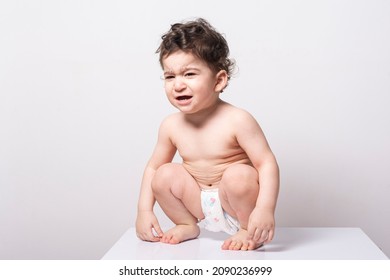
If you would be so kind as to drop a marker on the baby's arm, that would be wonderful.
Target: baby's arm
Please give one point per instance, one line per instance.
(261, 224)
(146, 219)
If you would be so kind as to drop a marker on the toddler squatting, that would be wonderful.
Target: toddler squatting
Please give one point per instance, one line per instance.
(229, 177)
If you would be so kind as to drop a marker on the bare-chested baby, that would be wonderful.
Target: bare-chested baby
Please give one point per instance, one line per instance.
(229, 177)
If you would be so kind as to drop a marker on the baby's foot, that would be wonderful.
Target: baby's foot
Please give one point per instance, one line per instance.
(180, 233)
(239, 241)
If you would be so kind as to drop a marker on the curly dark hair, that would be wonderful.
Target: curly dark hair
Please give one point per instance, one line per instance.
(202, 40)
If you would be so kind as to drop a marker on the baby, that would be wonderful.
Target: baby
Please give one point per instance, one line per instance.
(229, 177)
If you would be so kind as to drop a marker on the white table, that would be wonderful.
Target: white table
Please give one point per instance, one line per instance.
(288, 244)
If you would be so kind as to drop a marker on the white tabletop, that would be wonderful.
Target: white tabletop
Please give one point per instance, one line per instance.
(288, 244)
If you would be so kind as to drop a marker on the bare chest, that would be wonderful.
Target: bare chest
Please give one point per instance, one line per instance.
(211, 143)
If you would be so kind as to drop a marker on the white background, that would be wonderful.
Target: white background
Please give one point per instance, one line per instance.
(81, 100)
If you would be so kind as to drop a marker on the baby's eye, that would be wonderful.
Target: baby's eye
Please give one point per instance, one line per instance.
(190, 74)
(169, 77)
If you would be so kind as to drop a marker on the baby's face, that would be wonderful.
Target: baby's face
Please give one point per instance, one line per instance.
(191, 86)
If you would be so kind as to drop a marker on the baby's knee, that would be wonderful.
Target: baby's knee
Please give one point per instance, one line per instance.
(239, 178)
(164, 174)
(240, 173)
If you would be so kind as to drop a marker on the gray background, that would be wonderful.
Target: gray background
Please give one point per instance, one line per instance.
(81, 100)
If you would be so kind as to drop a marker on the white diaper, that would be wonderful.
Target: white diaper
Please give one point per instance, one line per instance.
(215, 218)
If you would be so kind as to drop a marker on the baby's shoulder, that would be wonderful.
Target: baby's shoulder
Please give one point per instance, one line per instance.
(170, 121)
(238, 115)
(172, 118)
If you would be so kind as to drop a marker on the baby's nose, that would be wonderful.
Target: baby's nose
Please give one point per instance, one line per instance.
(179, 84)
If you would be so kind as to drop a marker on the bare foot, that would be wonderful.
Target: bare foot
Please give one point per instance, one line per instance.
(180, 233)
(239, 241)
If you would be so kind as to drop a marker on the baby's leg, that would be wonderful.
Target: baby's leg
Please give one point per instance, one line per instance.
(238, 190)
(178, 194)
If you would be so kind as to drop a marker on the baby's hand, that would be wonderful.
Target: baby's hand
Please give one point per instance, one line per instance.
(261, 225)
(145, 224)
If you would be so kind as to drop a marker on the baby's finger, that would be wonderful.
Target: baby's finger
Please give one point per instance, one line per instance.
(271, 235)
(142, 236)
(158, 230)
(251, 231)
(152, 237)
(257, 234)
(264, 235)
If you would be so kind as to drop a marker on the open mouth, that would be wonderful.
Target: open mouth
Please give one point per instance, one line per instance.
(184, 97)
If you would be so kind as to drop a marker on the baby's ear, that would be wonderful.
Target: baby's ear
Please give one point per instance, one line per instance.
(221, 81)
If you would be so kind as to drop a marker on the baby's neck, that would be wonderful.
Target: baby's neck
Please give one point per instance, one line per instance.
(198, 119)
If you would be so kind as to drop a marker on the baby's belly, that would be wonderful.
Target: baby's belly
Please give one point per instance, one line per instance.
(208, 175)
